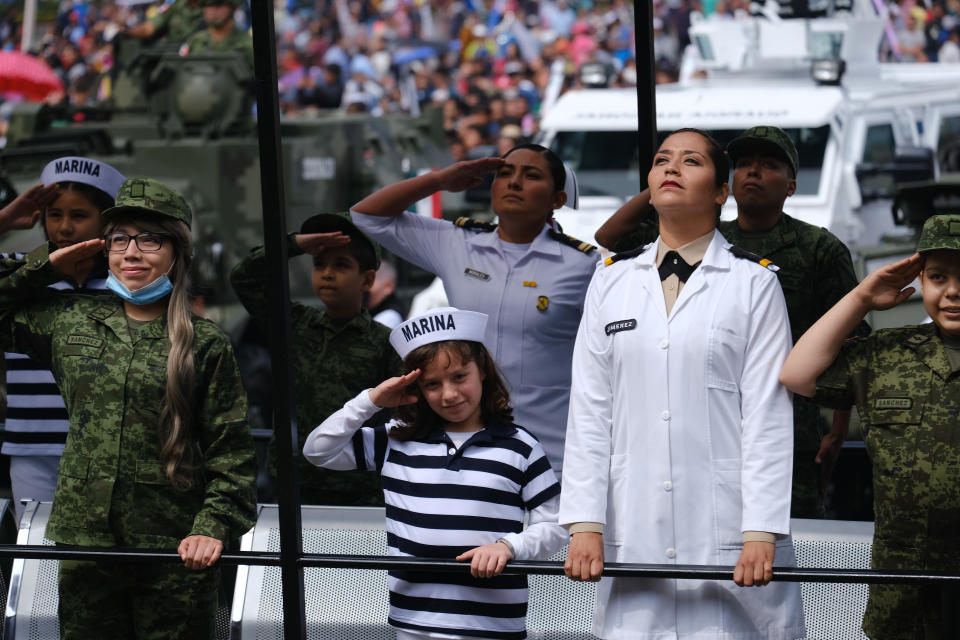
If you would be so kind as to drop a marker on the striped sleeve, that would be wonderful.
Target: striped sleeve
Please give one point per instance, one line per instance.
(541, 497)
(539, 481)
(334, 445)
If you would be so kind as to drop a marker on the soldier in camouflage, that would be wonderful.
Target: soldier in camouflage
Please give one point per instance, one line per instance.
(815, 271)
(905, 385)
(173, 24)
(110, 361)
(338, 352)
(221, 34)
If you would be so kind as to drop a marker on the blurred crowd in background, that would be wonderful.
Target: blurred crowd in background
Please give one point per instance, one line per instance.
(488, 63)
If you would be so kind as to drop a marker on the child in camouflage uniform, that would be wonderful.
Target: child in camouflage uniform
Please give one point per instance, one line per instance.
(905, 385)
(339, 351)
(158, 454)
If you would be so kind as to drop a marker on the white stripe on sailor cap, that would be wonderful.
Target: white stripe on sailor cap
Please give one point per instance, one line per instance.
(97, 174)
(443, 323)
(571, 188)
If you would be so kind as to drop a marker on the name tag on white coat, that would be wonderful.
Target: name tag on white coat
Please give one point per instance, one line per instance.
(620, 325)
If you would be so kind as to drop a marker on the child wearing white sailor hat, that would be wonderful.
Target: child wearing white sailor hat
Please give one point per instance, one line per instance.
(458, 477)
(68, 203)
(85, 188)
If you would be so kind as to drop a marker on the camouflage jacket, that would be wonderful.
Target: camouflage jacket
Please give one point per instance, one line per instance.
(332, 363)
(111, 488)
(908, 398)
(176, 22)
(201, 42)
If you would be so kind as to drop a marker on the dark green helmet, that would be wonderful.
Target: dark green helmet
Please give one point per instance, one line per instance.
(144, 195)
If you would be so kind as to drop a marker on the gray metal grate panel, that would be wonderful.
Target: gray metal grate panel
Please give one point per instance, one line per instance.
(347, 604)
(833, 611)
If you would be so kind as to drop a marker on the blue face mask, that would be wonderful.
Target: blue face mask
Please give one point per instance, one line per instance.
(144, 295)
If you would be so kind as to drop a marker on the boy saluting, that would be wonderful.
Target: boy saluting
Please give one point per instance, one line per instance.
(905, 385)
(338, 351)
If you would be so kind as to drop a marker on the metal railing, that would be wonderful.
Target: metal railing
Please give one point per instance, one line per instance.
(393, 563)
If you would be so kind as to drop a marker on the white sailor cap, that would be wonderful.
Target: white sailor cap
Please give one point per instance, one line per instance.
(443, 323)
(97, 174)
(571, 188)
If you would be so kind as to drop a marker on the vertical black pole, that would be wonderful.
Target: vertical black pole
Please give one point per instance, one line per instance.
(278, 298)
(646, 86)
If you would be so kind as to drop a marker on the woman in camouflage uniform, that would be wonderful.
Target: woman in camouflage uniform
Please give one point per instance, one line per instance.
(159, 454)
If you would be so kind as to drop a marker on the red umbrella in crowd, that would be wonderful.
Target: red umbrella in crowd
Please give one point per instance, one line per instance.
(27, 75)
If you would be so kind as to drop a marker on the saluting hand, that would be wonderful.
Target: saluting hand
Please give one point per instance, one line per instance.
(314, 243)
(393, 392)
(77, 258)
(26, 208)
(199, 552)
(884, 288)
(469, 173)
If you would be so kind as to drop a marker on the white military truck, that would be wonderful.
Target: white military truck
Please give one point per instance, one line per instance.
(851, 117)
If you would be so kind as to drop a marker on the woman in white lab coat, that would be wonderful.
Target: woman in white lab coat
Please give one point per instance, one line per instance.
(679, 439)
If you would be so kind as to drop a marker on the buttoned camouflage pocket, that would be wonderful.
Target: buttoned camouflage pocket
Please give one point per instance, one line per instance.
(71, 505)
(81, 361)
(159, 509)
(91, 350)
(891, 439)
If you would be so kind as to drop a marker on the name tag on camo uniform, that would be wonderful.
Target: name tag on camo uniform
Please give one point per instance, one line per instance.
(892, 403)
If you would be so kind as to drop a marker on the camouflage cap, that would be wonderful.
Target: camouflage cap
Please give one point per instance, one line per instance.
(940, 232)
(765, 137)
(145, 195)
(366, 251)
(210, 3)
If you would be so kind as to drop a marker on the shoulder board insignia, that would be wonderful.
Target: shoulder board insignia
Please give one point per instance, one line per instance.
(625, 255)
(474, 225)
(570, 241)
(752, 257)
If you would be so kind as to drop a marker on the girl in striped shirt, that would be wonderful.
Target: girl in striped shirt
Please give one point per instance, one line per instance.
(458, 479)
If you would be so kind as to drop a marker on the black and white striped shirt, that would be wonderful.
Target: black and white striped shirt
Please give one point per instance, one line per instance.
(442, 501)
(36, 420)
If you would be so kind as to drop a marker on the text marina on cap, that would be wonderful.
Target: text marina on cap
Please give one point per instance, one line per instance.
(428, 325)
(75, 165)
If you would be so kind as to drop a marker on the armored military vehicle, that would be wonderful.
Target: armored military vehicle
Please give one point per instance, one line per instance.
(189, 121)
(864, 129)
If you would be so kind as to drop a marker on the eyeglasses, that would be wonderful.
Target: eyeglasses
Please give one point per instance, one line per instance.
(118, 242)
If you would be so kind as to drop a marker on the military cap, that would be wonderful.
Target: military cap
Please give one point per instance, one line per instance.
(765, 137)
(940, 232)
(145, 195)
(366, 251)
(210, 3)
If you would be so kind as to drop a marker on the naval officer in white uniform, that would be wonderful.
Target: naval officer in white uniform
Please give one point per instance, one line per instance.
(526, 275)
(679, 442)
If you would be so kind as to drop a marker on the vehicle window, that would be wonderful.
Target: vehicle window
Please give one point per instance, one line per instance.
(607, 162)
(948, 145)
(880, 144)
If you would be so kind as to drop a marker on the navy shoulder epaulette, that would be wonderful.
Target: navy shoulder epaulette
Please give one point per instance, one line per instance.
(474, 225)
(570, 241)
(624, 255)
(752, 257)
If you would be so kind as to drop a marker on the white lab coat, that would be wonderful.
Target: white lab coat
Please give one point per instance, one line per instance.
(680, 438)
